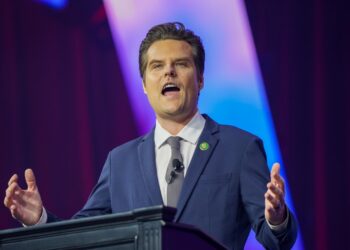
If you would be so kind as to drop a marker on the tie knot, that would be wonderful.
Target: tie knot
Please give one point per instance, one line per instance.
(174, 142)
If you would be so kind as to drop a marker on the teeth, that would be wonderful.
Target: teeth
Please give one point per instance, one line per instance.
(169, 86)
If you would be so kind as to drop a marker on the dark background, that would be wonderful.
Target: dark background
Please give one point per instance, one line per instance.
(63, 104)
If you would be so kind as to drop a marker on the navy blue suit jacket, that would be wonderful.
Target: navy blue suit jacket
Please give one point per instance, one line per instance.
(222, 194)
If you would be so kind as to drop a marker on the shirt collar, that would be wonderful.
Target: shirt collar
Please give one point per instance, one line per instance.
(190, 132)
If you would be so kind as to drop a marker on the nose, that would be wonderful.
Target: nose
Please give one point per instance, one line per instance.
(170, 71)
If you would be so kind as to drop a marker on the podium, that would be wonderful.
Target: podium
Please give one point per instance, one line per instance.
(141, 229)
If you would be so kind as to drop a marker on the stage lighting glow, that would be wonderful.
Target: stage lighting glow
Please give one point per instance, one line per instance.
(57, 4)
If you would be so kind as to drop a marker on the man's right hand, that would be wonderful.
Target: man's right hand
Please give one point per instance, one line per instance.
(25, 205)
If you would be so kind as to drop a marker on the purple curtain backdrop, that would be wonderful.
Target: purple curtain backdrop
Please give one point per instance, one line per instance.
(63, 105)
(304, 53)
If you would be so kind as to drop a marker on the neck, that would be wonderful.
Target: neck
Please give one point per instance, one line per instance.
(174, 125)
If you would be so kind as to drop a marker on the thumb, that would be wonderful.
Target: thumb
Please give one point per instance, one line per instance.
(30, 179)
(275, 171)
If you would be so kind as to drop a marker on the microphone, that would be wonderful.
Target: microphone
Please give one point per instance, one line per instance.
(178, 165)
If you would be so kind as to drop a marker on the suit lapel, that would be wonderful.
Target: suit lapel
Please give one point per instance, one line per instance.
(205, 147)
(148, 168)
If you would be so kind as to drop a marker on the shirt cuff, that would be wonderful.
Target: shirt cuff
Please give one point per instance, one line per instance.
(281, 227)
(42, 220)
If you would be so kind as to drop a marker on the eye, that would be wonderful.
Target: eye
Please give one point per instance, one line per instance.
(182, 64)
(156, 66)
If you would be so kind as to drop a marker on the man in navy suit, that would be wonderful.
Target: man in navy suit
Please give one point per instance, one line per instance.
(227, 188)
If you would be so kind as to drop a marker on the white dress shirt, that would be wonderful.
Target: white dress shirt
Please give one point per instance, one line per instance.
(189, 134)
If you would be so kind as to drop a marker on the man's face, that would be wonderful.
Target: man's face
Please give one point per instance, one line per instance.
(171, 80)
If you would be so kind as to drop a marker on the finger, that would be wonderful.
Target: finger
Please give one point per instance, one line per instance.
(275, 171)
(276, 177)
(14, 178)
(269, 207)
(30, 179)
(14, 195)
(10, 191)
(7, 202)
(14, 212)
(276, 190)
(276, 193)
(275, 203)
(276, 199)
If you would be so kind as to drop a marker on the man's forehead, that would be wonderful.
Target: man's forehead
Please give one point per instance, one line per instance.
(169, 45)
(169, 48)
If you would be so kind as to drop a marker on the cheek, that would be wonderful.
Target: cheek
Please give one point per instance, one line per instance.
(154, 76)
(152, 84)
(194, 88)
(192, 94)
(152, 91)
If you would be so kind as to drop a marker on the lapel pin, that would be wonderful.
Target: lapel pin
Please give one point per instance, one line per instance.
(204, 146)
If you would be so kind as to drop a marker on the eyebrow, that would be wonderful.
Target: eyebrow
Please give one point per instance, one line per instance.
(188, 59)
(155, 61)
(183, 59)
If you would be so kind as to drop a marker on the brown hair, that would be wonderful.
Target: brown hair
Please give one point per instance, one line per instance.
(176, 31)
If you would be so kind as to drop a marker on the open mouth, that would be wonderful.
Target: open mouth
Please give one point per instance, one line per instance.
(170, 87)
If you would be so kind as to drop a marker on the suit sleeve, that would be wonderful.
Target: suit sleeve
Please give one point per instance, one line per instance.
(253, 178)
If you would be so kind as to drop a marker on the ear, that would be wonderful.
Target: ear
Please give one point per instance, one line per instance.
(144, 87)
(201, 82)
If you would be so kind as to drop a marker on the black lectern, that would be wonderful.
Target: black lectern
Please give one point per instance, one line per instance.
(146, 228)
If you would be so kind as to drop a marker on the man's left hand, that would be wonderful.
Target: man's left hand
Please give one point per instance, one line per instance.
(275, 207)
